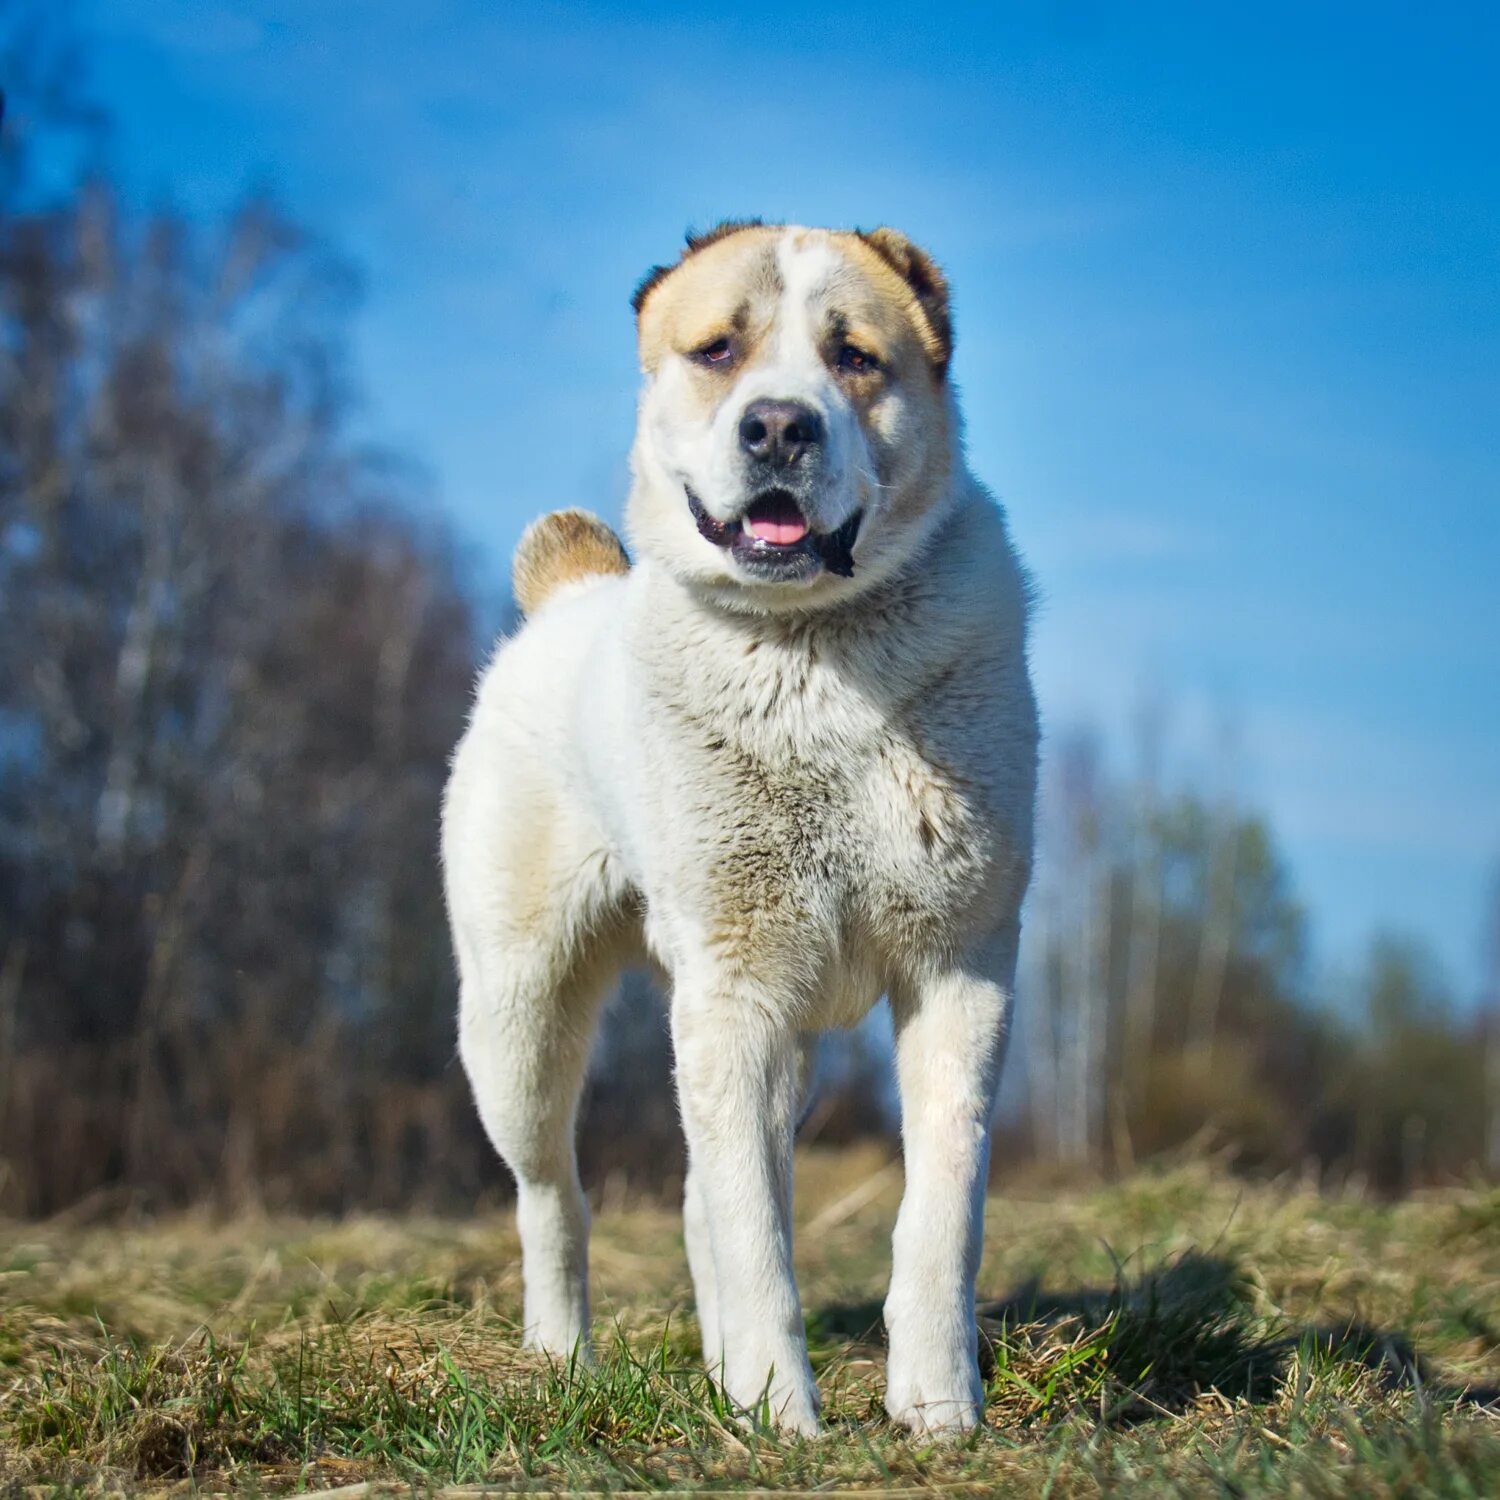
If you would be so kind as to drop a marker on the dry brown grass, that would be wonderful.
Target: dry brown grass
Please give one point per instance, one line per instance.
(1176, 1333)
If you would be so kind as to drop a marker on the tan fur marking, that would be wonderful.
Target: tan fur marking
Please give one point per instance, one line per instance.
(731, 283)
(923, 286)
(694, 243)
(559, 548)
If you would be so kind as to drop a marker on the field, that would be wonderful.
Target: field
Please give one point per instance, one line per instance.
(1178, 1333)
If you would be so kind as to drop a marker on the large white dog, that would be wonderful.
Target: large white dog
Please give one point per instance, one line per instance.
(789, 756)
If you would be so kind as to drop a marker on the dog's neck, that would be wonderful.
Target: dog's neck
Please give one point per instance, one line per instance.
(767, 679)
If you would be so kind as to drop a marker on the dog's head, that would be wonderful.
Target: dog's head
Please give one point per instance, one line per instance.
(796, 432)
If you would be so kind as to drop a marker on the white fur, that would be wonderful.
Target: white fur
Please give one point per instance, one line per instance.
(792, 810)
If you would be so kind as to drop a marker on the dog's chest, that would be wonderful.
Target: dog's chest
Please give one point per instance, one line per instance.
(846, 845)
(830, 804)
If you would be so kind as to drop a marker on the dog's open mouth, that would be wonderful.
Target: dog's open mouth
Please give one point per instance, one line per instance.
(775, 518)
(773, 540)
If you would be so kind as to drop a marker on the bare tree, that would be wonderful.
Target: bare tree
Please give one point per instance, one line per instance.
(235, 663)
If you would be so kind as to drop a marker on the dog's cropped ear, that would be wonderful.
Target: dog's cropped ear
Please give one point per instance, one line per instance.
(928, 285)
(648, 284)
(694, 241)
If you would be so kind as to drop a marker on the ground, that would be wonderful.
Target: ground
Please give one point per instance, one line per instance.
(1177, 1333)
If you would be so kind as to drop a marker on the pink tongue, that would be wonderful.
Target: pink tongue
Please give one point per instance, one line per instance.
(775, 518)
(780, 531)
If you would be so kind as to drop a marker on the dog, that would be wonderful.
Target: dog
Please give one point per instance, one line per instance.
(788, 756)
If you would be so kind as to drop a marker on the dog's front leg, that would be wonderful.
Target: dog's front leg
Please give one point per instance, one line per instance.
(950, 1040)
(738, 1078)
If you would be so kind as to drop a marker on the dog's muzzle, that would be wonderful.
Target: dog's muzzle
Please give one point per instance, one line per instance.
(776, 514)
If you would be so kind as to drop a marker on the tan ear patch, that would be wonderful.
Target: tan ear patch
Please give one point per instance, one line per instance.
(559, 548)
(926, 282)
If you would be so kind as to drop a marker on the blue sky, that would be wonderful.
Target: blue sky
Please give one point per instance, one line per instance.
(1228, 307)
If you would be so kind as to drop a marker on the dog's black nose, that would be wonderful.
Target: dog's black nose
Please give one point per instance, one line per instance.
(779, 432)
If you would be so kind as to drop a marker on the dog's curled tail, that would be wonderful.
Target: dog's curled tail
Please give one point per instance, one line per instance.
(561, 548)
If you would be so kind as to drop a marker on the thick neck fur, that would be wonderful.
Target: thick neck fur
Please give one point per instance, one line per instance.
(801, 685)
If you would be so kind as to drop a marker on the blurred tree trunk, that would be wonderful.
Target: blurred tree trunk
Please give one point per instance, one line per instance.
(1144, 957)
(1491, 1013)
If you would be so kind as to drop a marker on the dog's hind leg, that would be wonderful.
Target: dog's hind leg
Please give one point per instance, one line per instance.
(524, 1039)
(524, 1035)
(543, 914)
(541, 923)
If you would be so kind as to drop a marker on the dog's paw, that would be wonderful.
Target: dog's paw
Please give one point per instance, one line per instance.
(797, 1416)
(788, 1405)
(941, 1404)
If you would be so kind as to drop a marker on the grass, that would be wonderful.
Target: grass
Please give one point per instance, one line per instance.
(1173, 1334)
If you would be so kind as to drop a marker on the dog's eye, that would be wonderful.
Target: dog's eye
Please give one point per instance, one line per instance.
(720, 352)
(851, 358)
